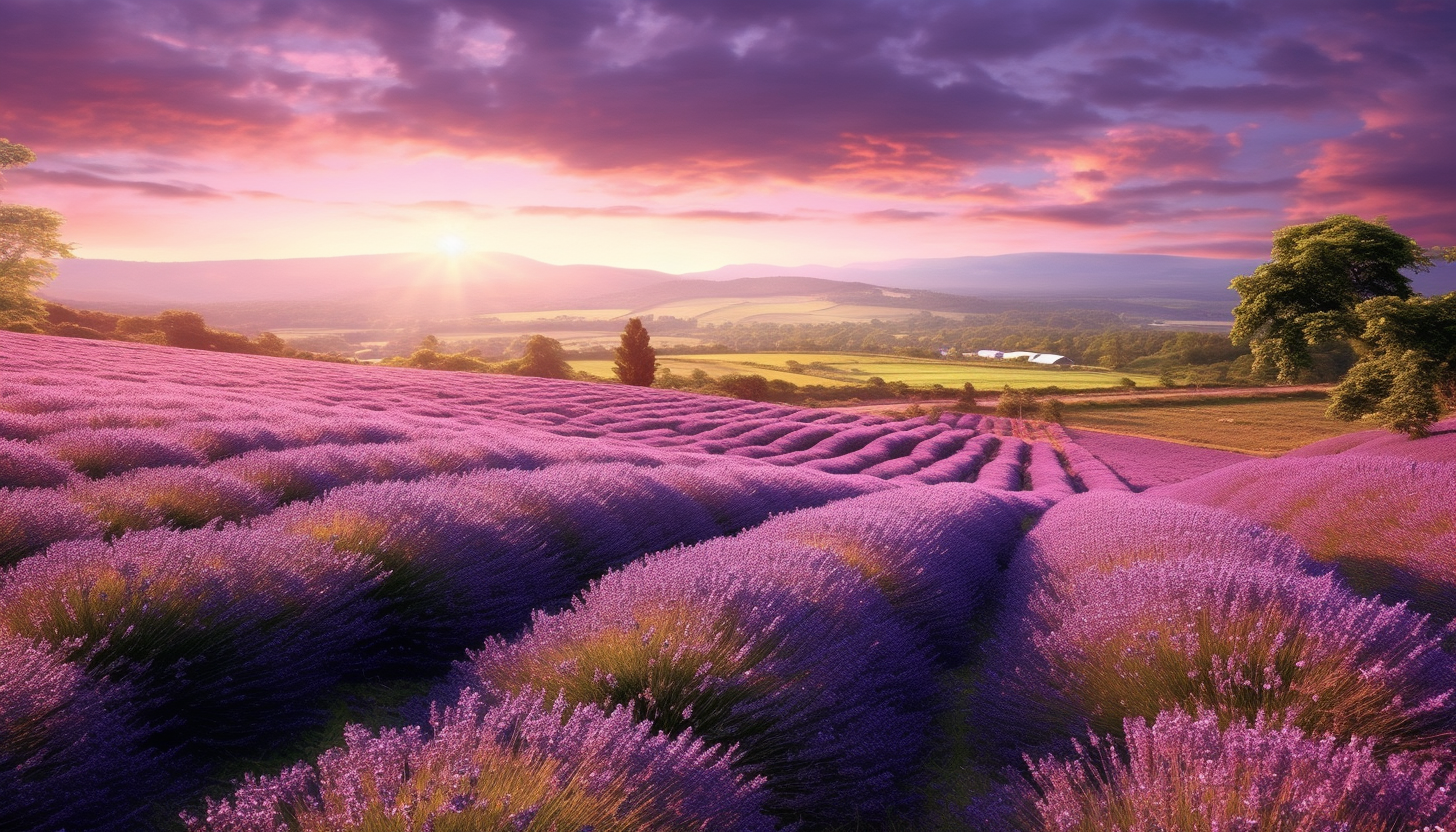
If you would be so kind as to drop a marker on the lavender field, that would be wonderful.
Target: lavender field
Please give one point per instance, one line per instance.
(618, 608)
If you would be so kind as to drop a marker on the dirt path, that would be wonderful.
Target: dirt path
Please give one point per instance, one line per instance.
(1157, 393)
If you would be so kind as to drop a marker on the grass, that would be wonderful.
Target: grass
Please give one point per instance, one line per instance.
(1263, 425)
(850, 368)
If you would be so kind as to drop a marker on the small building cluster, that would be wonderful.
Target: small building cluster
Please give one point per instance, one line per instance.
(1032, 357)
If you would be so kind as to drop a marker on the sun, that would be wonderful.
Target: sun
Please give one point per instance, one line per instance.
(450, 245)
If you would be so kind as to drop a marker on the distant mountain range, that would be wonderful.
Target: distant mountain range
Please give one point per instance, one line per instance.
(384, 289)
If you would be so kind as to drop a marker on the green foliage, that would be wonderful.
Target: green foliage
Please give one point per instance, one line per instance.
(1307, 293)
(1017, 404)
(1407, 377)
(1052, 410)
(544, 358)
(14, 155)
(966, 400)
(29, 237)
(636, 360)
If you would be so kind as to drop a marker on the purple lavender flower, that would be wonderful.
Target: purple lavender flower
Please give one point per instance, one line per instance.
(71, 751)
(24, 465)
(934, 551)
(1004, 470)
(1233, 636)
(1385, 522)
(780, 650)
(227, 637)
(1186, 772)
(34, 518)
(179, 497)
(517, 766)
(102, 451)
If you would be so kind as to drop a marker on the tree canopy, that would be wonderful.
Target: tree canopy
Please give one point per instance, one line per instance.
(636, 361)
(1307, 292)
(544, 358)
(1343, 279)
(29, 237)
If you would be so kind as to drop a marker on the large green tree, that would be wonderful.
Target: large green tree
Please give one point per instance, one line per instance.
(29, 237)
(544, 358)
(1307, 292)
(1344, 278)
(636, 359)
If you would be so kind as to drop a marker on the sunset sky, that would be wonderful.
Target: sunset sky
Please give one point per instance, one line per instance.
(691, 134)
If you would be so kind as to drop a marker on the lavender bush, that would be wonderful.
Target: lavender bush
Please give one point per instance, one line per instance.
(1187, 772)
(1234, 637)
(175, 496)
(34, 518)
(933, 551)
(1387, 523)
(71, 751)
(226, 637)
(99, 452)
(517, 766)
(779, 650)
(1004, 470)
(24, 465)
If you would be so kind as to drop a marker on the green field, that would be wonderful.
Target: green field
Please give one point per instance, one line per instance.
(1265, 426)
(850, 368)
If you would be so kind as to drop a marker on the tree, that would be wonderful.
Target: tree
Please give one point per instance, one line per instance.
(1015, 403)
(544, 358)
(1341, 280)
(1407, 377)
(1307, 293)
(29, 237)
(636, 359)
(966, 400)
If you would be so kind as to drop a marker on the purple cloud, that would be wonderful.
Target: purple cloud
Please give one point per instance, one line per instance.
(939, 99)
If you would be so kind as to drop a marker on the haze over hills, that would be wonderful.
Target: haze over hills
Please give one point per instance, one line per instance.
(509, 278)
(378, 290)
(1032, 274)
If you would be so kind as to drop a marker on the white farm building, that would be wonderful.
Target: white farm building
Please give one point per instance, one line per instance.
(1032, 357)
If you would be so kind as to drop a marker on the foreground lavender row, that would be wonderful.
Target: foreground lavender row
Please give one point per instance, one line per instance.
(195, 576)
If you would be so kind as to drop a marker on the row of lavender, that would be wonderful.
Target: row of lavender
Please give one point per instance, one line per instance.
(1377, 506)
(127, 666)
(165, 491)
(1220, 677)
(785, 675)
(65, 400)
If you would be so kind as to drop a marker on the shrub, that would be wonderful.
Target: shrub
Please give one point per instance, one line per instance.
(779, 650)
(23, 465)
(103, 451)
(1235, 638)
(1185, 772)
(34, 518)
(227, 637)
(70, 750)
(518, 766)
(933, 551)
(1386, 523)
(182, 498)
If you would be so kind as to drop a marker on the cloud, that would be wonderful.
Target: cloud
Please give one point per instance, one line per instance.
(897, 215)
(636, 211)
(1092, 112)
(161, 190)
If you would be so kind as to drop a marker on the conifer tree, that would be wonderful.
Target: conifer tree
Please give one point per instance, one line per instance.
(636, 359)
